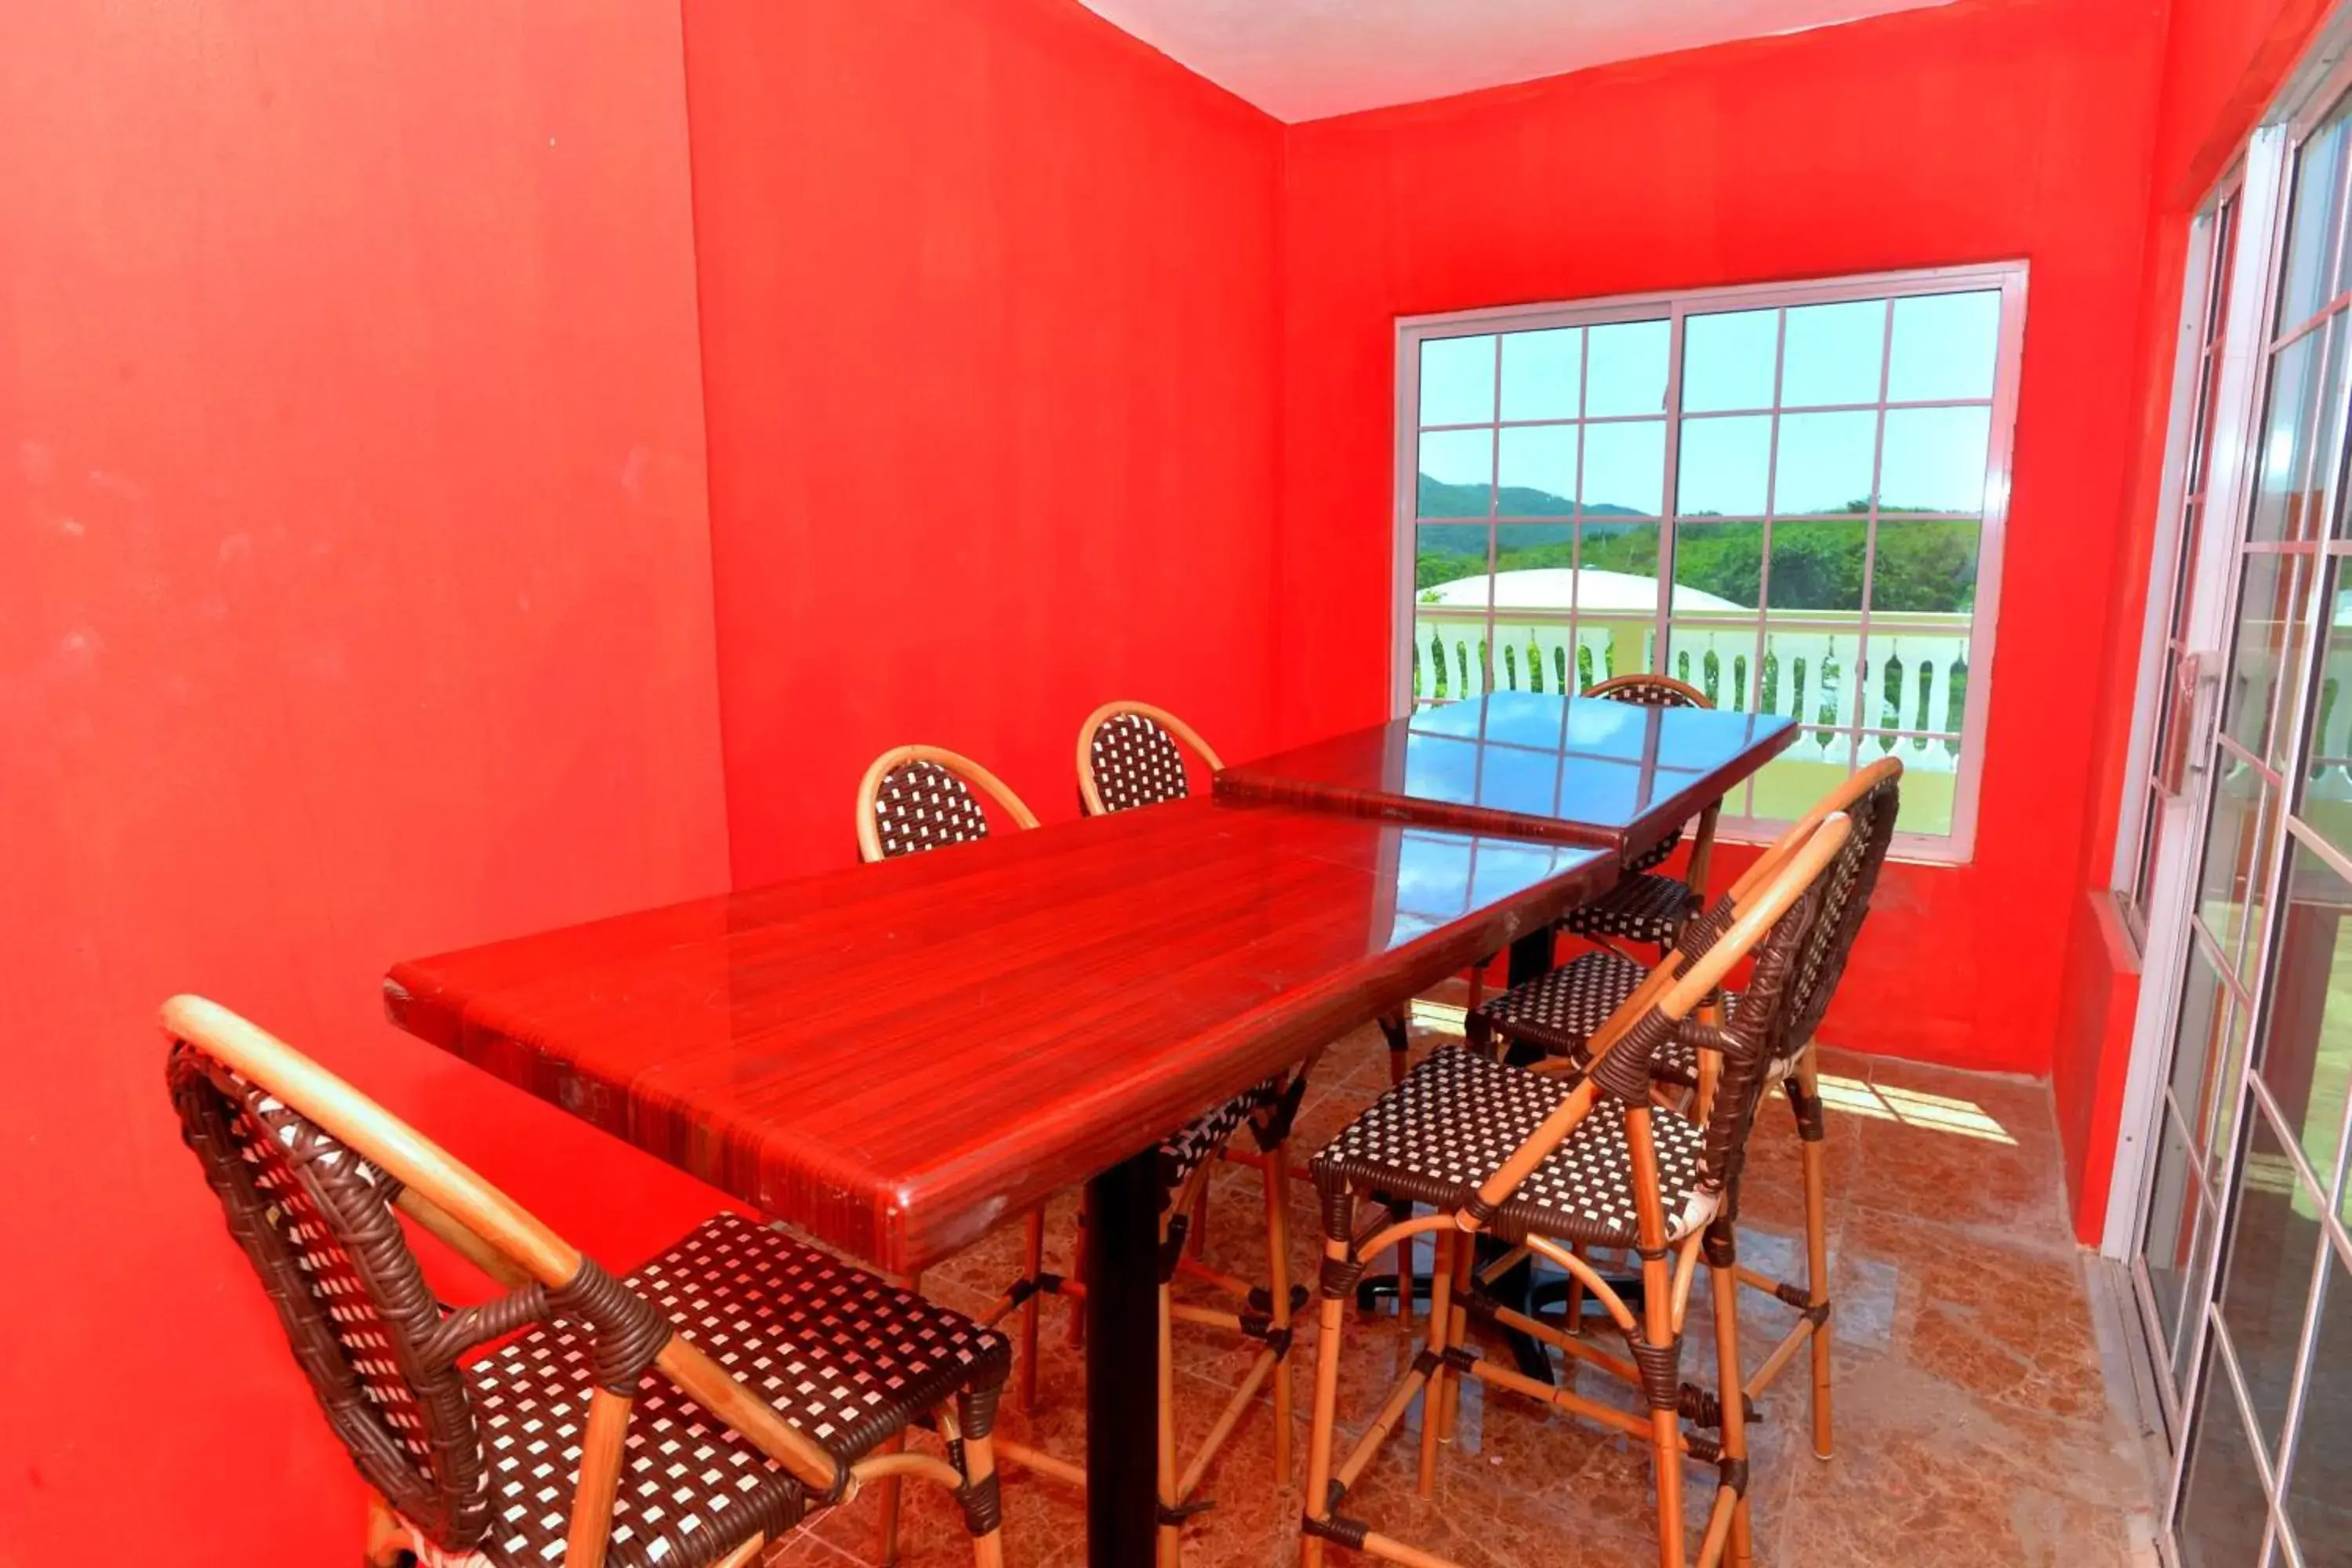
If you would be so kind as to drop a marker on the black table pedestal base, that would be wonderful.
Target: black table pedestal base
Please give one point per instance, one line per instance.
(1123, 1363)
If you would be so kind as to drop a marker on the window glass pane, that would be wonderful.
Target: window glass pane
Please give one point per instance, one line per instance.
(1717, 565)
(1933, 460)
(2266, 1275)
(1817, 565)
(2207, 1050)
(1541, 373)
(2327, 793)
(2236, 831)
(1832, 354)
(1624, 467)
(2224, 1508)
(1451, 589)
(1726, 466)
(1727, 360)
(1944, 347)
(1715, 656)
(2308, 1044)
(1617, 599)
(1457, 380)
(2314, 216)
(1535, 589)
(1929, 764)
(1919, 680)
(1456, 472)
(1824, 463)
(2279, 506)
(1538, 472)
(2170, 1243)
(2319, 1485)
(1923, 567)
(1792, 782)
(1625, 371)
(2269, 600)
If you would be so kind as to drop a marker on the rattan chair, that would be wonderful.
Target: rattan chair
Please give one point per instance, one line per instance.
(919, 798)
(1643, 906)
(579, 1418)
(1561, 1012)
(1129, 755)
(1553, 1159)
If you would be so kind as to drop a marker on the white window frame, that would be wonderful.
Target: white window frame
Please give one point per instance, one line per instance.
(2169, 577)
(2009, 277)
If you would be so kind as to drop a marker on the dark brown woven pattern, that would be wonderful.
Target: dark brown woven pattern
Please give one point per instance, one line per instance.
(1846, 887)
(1459, 1115)
(1755, 1040)
(1648, 693)
(1560, 1012)
(1202, 1138)
(922, 805)
(1136, 763)
(1640, 908)
(1656, 856)
(317, 1224)
(843, 1356)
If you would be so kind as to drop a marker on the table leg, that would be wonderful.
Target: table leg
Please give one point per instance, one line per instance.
(1122, 1355)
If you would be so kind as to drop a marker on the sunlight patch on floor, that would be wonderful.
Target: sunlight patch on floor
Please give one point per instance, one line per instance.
(1935, 1112)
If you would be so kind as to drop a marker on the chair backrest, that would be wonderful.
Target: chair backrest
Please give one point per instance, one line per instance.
(1869, 800)
(310, 1172)
(317, 1223)
(1129, 756)
(1767, 918)
(1650, 690)
(916, 798)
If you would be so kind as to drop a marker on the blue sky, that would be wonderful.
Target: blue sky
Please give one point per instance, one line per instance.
(1944, 347)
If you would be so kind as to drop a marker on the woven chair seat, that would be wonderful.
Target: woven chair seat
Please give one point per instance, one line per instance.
(1560, 1012)
(1640, 908)
(1200, 1140)
(844, 1356)
(1459, 1115)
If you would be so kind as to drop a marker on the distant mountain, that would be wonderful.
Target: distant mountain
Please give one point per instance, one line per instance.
(1439, 499)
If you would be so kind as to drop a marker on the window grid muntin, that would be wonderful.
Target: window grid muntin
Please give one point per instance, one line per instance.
(1861, 705)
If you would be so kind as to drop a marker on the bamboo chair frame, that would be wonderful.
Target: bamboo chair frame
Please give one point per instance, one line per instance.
(1668, 995)
(1702, 854)
(1089, 789)
(869, 791)
(448, 1201)
(1810, 1300)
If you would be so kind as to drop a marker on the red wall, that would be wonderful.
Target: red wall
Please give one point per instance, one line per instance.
(354, 603)
(2224, 61)
(1985, 129)
(989, 328)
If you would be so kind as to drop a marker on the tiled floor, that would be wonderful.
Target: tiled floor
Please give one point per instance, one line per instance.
(1972, 1419)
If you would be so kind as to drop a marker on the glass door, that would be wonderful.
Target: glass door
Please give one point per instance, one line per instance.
(2240, 1263)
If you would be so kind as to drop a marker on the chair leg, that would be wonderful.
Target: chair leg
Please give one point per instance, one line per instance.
(1032, 1267)
(1171, 1538)
(1277, 1262)
(1666, 1425)
(886, 1528)
(1400, 1040)
(1440, 1328)
(1805, 1098)
(1327, 1409)
(1075, 1333)
(1726, 1280)
(1465, 1259)
(973, 1451)
(387, 1538)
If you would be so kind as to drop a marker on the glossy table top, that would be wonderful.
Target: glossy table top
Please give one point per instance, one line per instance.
(1574, 770)
(896, 1056)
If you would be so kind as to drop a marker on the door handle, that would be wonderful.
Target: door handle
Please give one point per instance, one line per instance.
(2189, 715)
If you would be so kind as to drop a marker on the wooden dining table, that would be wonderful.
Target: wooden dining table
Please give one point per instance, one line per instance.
(898, 1058)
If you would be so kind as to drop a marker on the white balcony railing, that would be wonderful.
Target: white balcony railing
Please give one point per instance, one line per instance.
(1915, 678)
